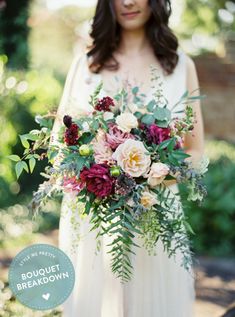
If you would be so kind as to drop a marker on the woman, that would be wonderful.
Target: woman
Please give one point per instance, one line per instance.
(128, 37)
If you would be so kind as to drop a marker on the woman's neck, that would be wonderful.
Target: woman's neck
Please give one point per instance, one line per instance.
(133, 43)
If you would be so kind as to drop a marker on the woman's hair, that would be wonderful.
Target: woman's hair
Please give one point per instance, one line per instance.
(106, 35)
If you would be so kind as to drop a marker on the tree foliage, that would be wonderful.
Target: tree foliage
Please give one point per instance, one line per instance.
(14, 32)
(204, 16)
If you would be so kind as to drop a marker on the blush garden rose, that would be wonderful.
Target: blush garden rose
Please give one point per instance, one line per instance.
(131, 156)
(157, 174)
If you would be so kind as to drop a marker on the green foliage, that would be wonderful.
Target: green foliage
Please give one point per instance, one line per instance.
(214, 221)
(13, 308)
(122, 244)
(14, 31)
(23, 94)
(116, 222)
(40, 140)
(203, 17)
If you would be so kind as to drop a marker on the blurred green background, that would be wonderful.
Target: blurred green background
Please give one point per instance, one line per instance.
(37, 42)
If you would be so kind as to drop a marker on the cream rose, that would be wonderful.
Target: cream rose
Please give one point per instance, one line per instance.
(158, 172)
(126, 121)
(131, 156)
(148, 199)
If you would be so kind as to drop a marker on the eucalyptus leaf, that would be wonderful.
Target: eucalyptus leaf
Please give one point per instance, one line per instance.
(148, 119)
(151, 105)
(95, 125)
(138, 114)
(135, 90)
(136, 99)
(162, 124)
(162, 114)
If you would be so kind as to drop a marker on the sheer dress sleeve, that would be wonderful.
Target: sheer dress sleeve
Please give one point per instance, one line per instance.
(66, 104)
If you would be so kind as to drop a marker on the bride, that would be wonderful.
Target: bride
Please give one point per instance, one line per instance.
(128, 36)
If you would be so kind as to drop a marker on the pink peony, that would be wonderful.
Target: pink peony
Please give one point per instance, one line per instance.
(115, 136)
(98, 180)
(102, 150)
(103, 153)
(72, 184)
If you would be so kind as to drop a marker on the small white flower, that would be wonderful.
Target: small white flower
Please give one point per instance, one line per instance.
(108, 115)
(126, 121)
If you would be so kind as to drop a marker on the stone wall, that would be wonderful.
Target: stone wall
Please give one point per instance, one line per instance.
(217, 82)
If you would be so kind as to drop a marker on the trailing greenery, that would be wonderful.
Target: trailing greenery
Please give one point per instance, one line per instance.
(214, 221)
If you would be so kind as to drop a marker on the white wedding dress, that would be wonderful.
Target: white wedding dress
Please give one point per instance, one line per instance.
(159, 287)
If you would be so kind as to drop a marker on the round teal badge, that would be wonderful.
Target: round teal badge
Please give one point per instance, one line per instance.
(41, 276)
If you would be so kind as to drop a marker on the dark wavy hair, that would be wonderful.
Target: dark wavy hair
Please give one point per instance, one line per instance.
(105, 34)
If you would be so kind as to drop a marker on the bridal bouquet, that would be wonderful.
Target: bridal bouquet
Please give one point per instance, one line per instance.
(116, 162)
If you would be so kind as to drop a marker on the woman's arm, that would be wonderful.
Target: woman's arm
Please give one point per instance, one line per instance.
(194, 141)
(65, 98)
(64, 105)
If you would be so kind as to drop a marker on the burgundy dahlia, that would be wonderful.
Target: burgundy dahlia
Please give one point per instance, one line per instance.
(98, 180)
(71, 135)
(156, 134)
(104, 104)
(67, 121)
